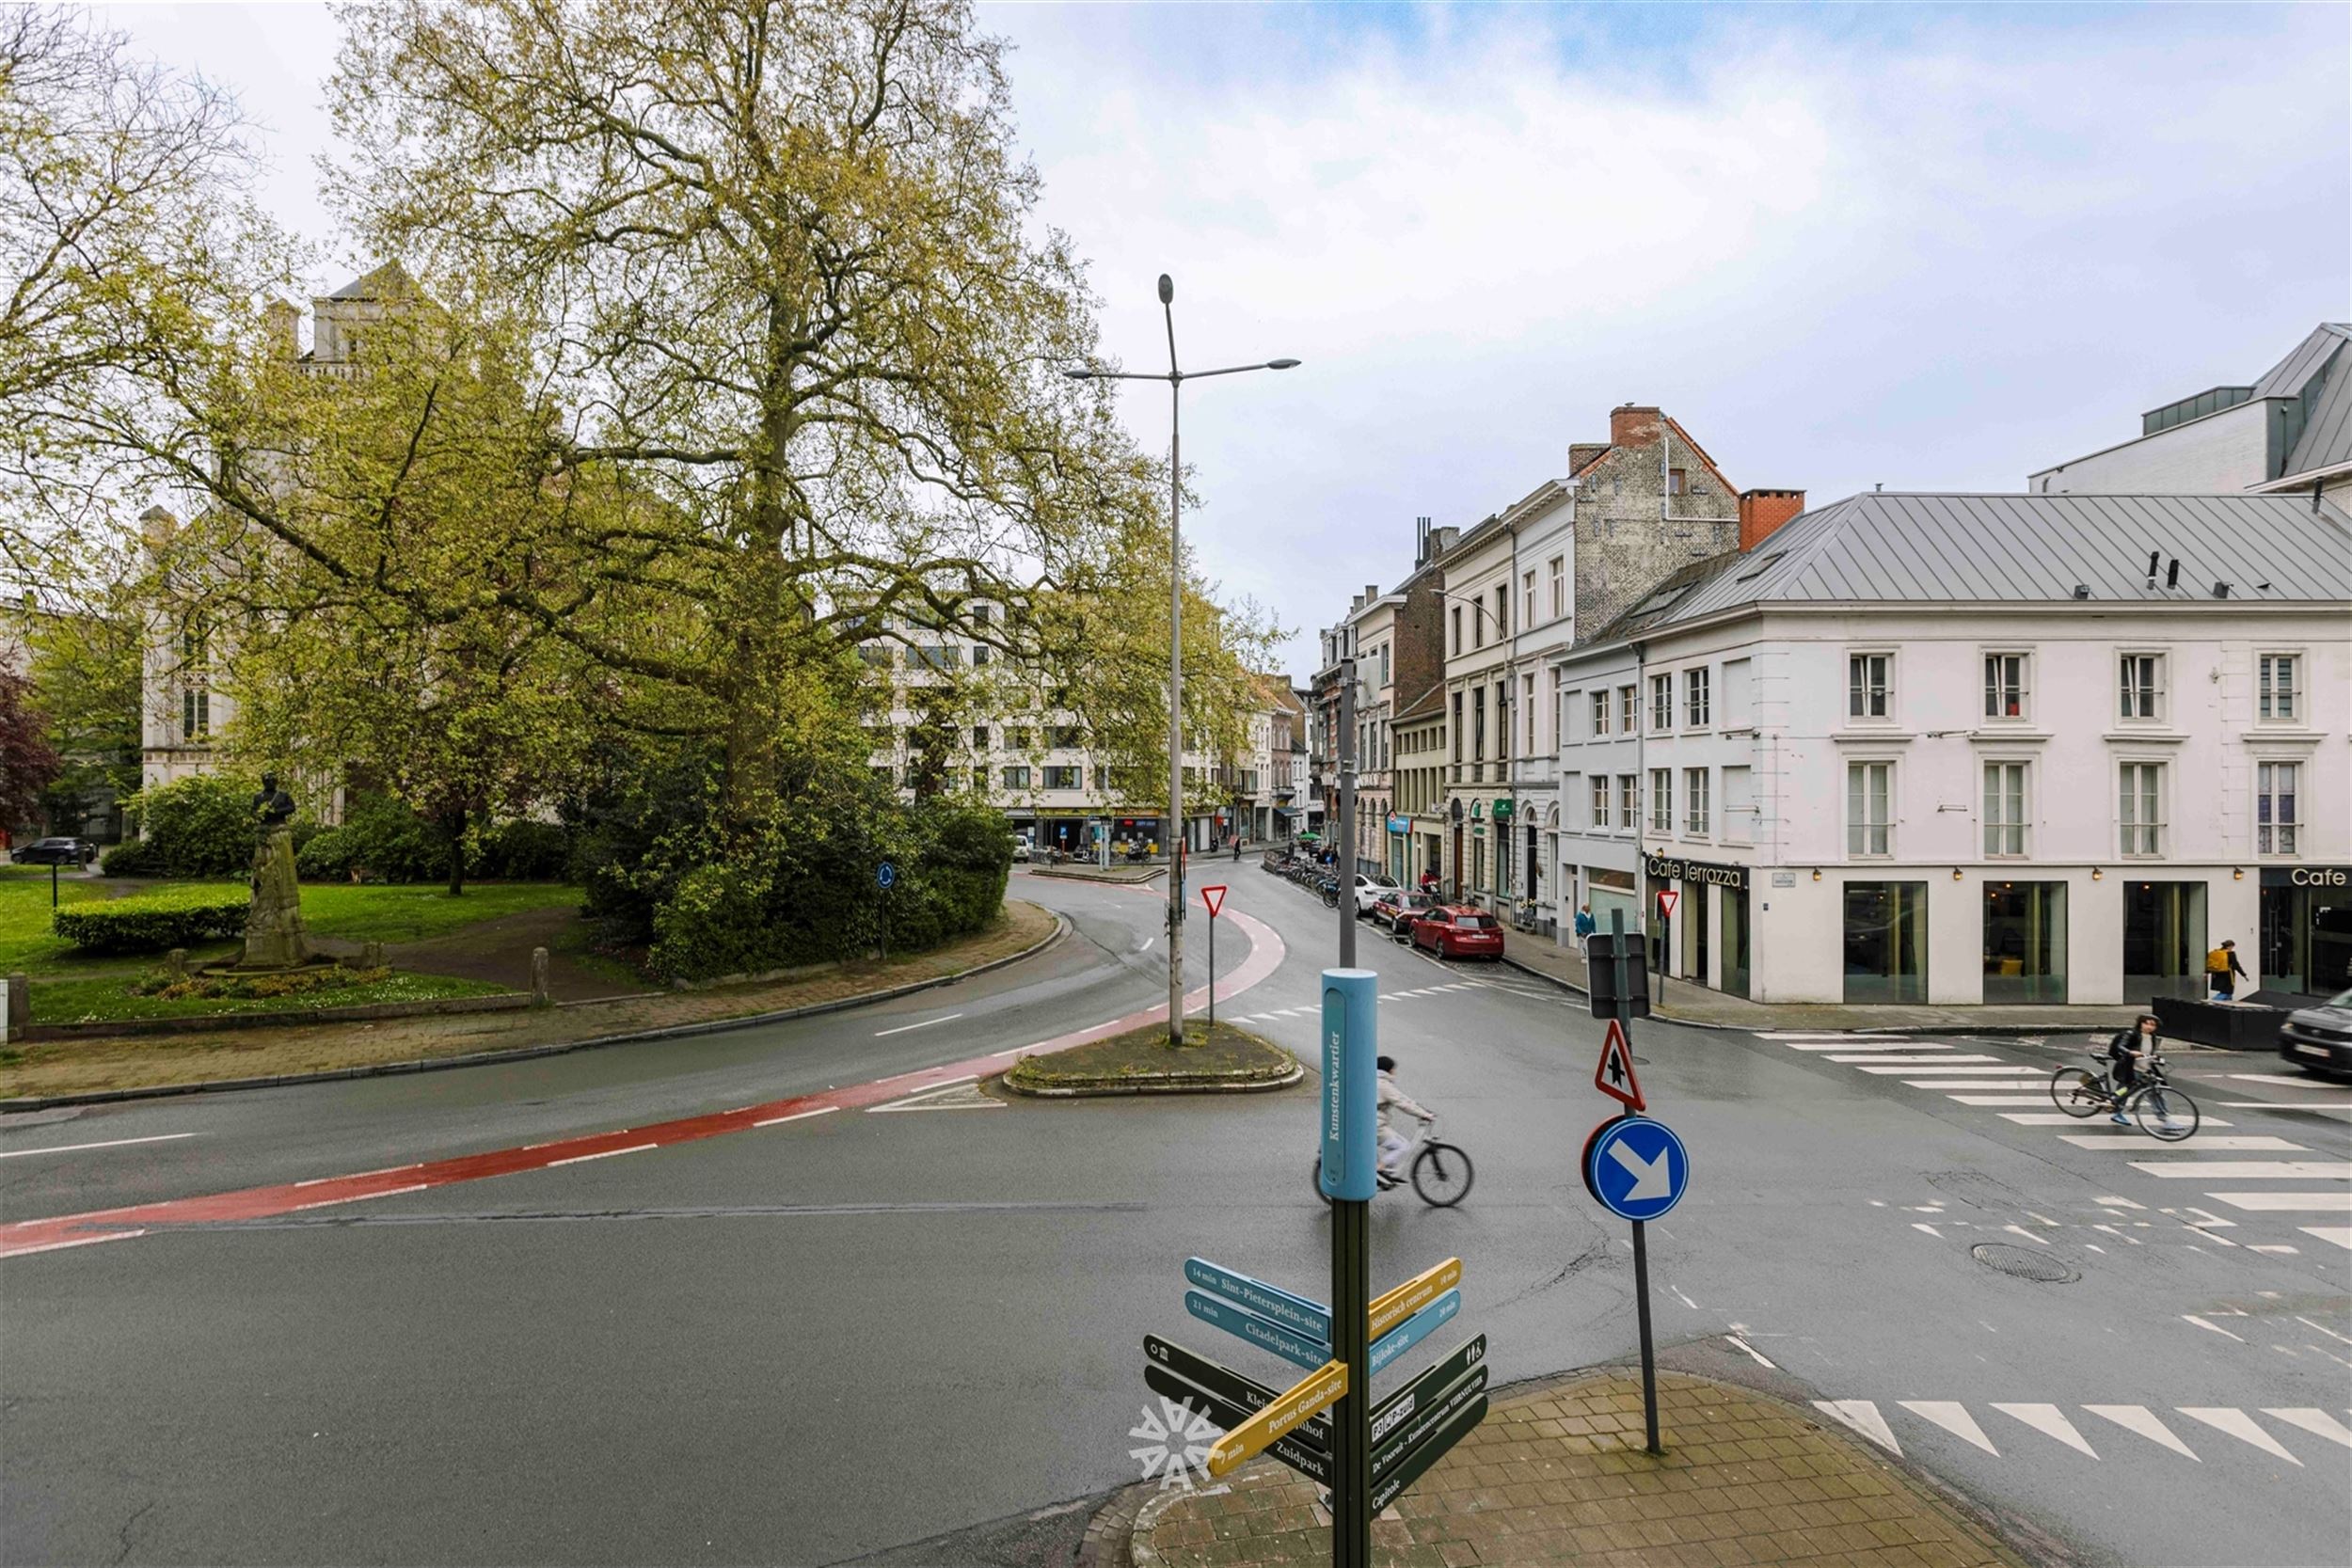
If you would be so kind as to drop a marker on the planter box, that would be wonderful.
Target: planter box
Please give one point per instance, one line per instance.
(2230, 1025)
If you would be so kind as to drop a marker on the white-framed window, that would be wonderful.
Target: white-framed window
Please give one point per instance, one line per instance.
(2275, 819)
(2277, 694)
(1458, 628)
(1502, 610)
(1661, 704)
(1870, 808)
(1559, 586)
(1739, 805)
(2005, 808)
(2006, 693)
(2140, 807)
(1600, 802)
(1600, 714)
(1698, 697)
(1527, 706)
(195, 713)
(2139, 688)
(1527, 598)
(1626, 712)
(1695, 805)
(1629, 805)
(1662, 800)
(1870, 687)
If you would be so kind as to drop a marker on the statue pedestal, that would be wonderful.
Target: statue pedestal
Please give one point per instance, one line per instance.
(273, 927)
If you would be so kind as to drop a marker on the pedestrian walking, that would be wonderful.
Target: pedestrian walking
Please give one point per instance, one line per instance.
(1584, 928)
(2223, 973)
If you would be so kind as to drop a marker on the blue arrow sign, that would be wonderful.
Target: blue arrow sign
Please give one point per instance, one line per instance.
(1268, 1301)
(1637, 1169)
(1413, 1330)
(1293, 1348)
(886, 874)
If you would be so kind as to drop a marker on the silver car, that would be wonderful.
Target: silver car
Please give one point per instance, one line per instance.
(2319, 1040)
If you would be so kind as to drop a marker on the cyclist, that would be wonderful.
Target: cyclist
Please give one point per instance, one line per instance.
(2126, 1052)
(1392, 1143)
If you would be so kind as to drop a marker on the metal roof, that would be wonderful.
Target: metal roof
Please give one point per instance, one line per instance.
(2326, 439)
(388, 281)
(1881, 549)
(2289, 376)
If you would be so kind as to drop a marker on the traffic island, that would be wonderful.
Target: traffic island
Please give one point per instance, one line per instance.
(1217, 1058)
(1556, 1473)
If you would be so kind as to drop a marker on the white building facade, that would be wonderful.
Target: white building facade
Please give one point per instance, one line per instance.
(1966, 749)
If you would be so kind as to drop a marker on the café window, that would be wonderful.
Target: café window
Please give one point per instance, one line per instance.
(1887, 941)
(2139, 686)
(2005, 808)
(2275, 808)
(2005, 684)
(2276, 694)
(2024, 942)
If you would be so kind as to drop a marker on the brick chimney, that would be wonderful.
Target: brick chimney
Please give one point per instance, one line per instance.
(1763, 510)
(1633, 424)
(1582, 453)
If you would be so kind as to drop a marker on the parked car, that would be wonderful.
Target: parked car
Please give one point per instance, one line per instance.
(1397, 909)
(1369, 891)
(56, 851)
(1021, 851)
(1458, 931)
(2319, 1040)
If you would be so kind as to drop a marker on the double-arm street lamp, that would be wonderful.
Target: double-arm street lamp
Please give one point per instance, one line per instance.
(1175, 377)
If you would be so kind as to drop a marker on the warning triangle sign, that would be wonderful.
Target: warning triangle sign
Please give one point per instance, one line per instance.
(1214, 898)
(1614, 1076)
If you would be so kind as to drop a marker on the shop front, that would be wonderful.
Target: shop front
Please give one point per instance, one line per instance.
(2163, 939)
(2024, 942)
(1400, 830)
(1610, 889)
(2307, 928)
(1885, 940)
(1712, 913)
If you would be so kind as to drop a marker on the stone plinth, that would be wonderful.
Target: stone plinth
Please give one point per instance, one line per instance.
(273, 927)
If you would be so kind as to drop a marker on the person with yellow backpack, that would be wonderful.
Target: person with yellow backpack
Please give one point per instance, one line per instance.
(2223, 971)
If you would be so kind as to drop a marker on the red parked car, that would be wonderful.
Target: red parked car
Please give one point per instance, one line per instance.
(1397, 909)
(1458, 931)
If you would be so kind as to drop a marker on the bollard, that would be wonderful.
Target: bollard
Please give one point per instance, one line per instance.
(176, 965)
(539, 994)
(20, 1005)
(371, 955)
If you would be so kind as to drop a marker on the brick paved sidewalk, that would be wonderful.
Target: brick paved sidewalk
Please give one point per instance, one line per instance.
(1556, 1473)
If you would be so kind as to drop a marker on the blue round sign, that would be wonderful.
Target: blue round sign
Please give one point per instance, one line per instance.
(1637, 1169)
(886, 874)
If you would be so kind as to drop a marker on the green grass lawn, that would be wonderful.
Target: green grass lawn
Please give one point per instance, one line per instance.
(107, 997)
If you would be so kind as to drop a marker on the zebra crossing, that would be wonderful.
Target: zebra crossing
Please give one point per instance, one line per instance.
(2307, 1427)
(2305, 1189)
(1313, 1009)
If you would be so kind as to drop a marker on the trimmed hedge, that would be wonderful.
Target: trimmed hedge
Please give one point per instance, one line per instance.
(203, 826)
(154, 923)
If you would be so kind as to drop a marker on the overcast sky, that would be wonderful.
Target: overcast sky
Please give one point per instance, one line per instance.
(1936, 248)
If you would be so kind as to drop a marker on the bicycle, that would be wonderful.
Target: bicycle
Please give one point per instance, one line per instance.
(1441, 1172)
(2156, 1106)
(1329, 888)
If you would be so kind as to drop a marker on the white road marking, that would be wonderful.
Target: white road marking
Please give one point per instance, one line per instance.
(2325, 1107)
(390, 1192)
(2033, 1073)
(2134, 1140)
(2119, 1203)
(2324, 1329)
(1844, 1043)
(2059, 1119)
(111, 1143)
(2023, 1088)
(1147, 944)
(902, 1028)
(2021, 1230)
(2288, 1083)
(2238, 1424)
(1686, 1300)
(2314, 1420)
(2193, 1318)
(1739, 1343)
(798, 1116)
(1917, 1225)
(1913, 1059)
(2288, 1203)
(2139, 1418)
(2260, 1246)
(1789, 1037)
(2050, 1421)
(931, 1098)
(78, 1241)
(1864, 1417)
(1953, 1418)
(581, 1158)
(2248, 1170)
(2340, 1234)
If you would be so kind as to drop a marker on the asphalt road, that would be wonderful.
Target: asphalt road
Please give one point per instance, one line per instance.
(826, 1337)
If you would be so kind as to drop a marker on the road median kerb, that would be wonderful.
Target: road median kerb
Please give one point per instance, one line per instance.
(522, 1053)
(1219, 1059)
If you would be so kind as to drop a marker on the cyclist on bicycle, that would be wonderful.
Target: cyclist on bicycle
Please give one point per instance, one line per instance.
(2125, 1052)
(1392, 1143)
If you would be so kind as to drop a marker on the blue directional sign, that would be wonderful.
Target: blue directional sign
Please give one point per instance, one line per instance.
(1295, 1349)
(1413, 1330)
(886, 874)
(1295, 1312)
(1637, 1167)
(1350, 1083)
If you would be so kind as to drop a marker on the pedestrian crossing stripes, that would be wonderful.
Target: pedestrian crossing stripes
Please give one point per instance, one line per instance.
(2308, 1425)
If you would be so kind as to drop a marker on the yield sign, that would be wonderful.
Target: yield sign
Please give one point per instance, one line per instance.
(1667, 899)
(1614, 1076)
(1214, 898)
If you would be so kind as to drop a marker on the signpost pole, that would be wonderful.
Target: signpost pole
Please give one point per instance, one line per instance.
(1640, 1240)
(1213, 971)
(1342, 862)
(1350, 1047)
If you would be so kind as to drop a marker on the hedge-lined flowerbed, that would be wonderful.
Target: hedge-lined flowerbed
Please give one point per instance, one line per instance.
(154, 923)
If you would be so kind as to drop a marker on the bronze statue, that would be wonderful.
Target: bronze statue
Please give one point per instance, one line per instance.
(273, 937)
(273, 805)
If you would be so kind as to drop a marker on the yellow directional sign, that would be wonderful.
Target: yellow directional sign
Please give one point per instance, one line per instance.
(1415, 1293)
(1319, 1390)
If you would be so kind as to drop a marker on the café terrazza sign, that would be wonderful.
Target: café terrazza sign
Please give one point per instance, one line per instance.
(1673, 868)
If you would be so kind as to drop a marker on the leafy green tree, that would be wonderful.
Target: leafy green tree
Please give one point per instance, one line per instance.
(84, 670)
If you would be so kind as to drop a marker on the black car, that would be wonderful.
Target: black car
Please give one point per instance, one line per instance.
(56, 851)
(2319, 1040)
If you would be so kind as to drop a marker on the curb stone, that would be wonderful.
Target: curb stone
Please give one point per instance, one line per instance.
(1104, 1089)
(524, 1053)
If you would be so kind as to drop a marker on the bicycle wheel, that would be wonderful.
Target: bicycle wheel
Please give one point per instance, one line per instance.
(2163, 1112)
(1441, 1174)
(2077, 1092)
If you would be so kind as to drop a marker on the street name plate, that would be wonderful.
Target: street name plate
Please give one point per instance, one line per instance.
(1303, 1457)
(1417, 1462)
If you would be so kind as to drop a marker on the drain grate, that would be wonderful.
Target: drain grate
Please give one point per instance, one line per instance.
(2024, 1263)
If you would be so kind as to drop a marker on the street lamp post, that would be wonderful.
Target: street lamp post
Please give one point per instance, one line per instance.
(1176, 377)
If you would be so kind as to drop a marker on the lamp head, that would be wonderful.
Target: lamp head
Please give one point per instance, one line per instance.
(1167, 289)
(1282, 364)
